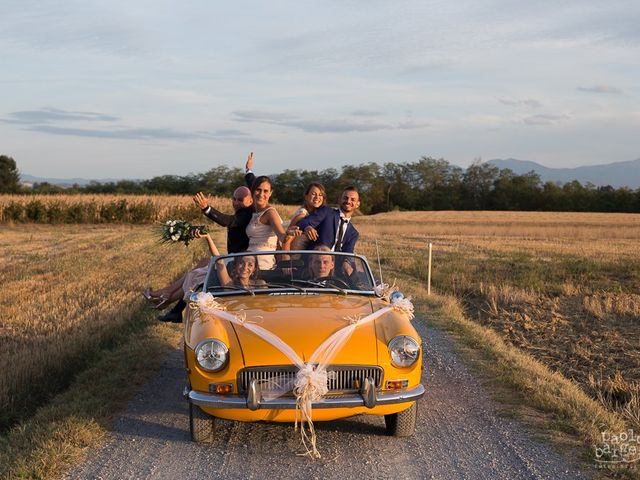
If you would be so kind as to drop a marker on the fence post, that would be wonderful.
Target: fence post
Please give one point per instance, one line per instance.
(429, 271)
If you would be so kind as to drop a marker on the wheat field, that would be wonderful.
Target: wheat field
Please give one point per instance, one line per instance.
(67, 291)
(70, 290)
(563, 287)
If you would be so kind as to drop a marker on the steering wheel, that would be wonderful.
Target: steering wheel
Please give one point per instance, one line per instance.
(338, 282)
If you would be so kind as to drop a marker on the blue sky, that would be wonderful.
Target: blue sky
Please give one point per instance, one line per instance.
(142, 88)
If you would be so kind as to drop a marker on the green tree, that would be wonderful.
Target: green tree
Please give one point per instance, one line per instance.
(9, 175)
(438, 184)
(288, 187)
(399, 192)
(477, 184)
(220, 180)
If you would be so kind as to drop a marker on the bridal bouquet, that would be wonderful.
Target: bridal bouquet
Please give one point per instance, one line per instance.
(173, 231)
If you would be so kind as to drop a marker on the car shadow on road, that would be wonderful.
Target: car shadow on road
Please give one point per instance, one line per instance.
(136, 427)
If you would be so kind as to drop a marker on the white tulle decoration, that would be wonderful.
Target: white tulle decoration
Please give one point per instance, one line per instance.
(381, 289)
(310, 384)
(403, 305)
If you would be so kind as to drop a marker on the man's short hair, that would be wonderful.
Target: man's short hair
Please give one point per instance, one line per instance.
(350, 188)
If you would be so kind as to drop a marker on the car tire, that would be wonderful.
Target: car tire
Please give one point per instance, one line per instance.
(402, 424)
(200, 424)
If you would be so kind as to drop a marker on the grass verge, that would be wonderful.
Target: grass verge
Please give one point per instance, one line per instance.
(532, 384)
(60, 432)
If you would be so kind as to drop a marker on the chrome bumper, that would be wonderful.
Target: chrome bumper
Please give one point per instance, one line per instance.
(367, 397)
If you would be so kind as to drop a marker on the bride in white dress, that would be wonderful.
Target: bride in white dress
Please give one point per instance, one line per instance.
(265, 229)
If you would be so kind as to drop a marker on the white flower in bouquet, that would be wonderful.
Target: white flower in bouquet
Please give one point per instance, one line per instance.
(173, 231)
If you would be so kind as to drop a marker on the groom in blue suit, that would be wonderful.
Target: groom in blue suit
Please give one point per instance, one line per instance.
(332, 227)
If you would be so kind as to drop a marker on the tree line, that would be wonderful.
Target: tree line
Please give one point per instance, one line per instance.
(427, 184)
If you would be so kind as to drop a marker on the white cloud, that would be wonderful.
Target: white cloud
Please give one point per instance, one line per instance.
(529, 102)
(608, 89)
(545, 119)
(165, 76)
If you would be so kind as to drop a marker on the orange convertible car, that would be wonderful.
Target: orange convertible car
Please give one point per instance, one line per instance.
(274, 335)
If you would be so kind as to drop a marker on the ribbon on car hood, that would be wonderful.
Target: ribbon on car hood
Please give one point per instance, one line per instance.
(310, 382)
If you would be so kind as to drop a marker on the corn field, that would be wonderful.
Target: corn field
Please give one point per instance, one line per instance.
(57, 209)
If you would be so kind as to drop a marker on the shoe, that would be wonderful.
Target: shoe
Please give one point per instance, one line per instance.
(172, 317)
(163, 302)
(157, 302)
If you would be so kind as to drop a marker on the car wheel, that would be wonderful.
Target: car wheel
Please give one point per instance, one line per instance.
(200, 424)
(402, 424)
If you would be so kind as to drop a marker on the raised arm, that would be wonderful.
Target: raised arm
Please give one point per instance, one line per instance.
(212, 246)
(223, 274)
(222, 219)
(249, 176)
(221, 268)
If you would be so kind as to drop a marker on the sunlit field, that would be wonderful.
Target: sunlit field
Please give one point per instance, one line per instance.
(564, 287)
(68, 291)
(136, 209)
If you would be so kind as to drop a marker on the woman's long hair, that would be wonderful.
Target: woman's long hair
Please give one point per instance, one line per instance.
(254, 275)
(320, 187)
(259, 180)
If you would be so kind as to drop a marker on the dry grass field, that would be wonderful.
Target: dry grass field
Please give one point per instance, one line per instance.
(563, 287)
(75, 209)
(67, 292)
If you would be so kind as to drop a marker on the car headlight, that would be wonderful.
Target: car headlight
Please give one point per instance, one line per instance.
(211, 354)
(404, 351)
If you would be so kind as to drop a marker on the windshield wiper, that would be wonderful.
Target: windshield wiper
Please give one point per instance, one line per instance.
(328, 283)
(233, 287)
(285, 285)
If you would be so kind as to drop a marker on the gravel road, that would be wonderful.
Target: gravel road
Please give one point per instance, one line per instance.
(459, 435)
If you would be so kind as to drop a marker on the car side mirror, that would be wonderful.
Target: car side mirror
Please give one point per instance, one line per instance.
(395, 296)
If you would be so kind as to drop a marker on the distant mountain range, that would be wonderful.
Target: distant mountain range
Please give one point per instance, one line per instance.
(64, 182)
(618, 174)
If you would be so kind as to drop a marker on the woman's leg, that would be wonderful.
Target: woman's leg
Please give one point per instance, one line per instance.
(162, 297)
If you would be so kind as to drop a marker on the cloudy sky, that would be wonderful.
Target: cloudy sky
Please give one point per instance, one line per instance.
(142, 88)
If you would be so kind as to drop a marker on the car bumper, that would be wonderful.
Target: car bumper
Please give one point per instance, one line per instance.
(253, 401)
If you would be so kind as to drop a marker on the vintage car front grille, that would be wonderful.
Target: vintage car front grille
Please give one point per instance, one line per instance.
(340, 378)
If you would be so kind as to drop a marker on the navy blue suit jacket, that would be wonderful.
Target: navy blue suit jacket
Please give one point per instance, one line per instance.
(326, 221)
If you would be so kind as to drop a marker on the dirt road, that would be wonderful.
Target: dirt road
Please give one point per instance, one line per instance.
(459, 435)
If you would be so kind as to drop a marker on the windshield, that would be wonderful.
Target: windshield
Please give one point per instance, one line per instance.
(295, 271)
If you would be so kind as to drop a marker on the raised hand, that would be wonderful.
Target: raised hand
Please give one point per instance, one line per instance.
(200, 200)
(199, 234)
(249, 164)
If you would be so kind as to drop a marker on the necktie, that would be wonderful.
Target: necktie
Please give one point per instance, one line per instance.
(338, 247)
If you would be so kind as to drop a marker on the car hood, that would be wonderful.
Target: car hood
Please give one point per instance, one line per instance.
(303, 323)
